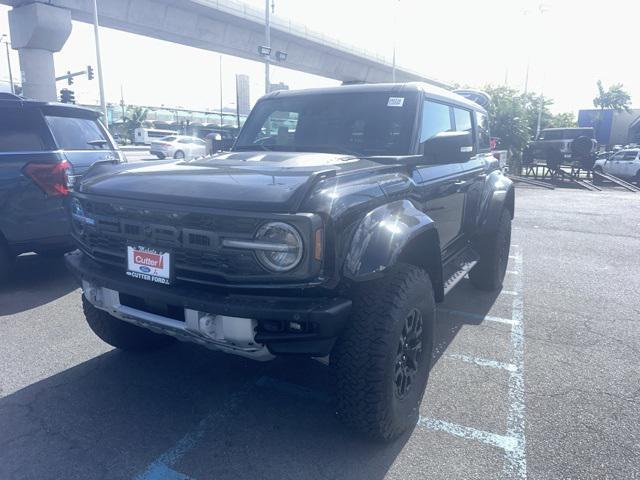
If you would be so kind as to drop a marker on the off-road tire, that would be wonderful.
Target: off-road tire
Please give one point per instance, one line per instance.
(493, 248)
(121, 334)
(368, 354)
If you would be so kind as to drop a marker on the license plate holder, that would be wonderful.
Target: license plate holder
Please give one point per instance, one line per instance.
(150, 264)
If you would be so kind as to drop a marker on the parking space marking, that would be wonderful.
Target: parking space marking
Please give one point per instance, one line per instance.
(509, 292)
(516, 465)
(501, 441)
(162, 467)
(513, 443)
(483, 362)
(478, 316)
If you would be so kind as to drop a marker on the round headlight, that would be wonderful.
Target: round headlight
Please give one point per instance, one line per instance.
(286, 251)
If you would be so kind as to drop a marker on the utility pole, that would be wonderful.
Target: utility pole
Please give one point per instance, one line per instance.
(267, 37)
(220, 56)
(395, 35)
(6, 44)
(122, 102)
(96, 33)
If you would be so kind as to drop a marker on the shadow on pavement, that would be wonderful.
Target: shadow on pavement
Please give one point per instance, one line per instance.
(34, 281)
(114, 415)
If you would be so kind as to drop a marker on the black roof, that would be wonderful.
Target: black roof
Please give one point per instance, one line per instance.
(432, 91)
(11, 100)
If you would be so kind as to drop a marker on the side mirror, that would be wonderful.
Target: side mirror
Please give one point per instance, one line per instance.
(449, 147)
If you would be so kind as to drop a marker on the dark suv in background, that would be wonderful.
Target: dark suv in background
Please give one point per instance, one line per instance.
(44, 149)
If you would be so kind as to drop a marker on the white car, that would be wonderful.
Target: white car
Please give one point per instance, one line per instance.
(624, 164)
(178, 146)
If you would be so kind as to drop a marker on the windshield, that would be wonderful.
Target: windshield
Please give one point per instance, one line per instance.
(364, 124)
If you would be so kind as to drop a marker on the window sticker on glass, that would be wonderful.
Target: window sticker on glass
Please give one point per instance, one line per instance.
(395, 102)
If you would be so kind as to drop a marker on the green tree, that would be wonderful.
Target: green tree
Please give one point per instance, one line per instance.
(562, 120)
(508, 118)
(614, 98)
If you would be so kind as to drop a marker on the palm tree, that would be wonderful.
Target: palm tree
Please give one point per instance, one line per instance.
(614, 98)
(133, 119)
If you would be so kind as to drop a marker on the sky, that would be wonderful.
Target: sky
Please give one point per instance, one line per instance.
(470, 42)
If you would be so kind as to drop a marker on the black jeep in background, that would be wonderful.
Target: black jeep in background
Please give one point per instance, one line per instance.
(44, 147)
(338, 220)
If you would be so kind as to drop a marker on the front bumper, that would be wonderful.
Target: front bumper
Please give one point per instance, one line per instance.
(284, 325)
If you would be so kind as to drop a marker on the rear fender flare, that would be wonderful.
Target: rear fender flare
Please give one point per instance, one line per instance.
(381, 238)
(498, 194)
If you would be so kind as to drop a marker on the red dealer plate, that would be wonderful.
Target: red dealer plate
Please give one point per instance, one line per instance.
(149, 264)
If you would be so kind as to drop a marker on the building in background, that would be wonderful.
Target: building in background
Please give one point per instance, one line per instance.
(243, 95)
(611, 127)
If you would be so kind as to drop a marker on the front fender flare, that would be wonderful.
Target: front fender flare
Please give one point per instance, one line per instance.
(382, 236)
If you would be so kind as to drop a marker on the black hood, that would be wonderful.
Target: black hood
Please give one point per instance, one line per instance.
(264, 181)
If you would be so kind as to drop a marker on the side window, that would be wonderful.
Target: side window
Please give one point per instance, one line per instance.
(630, 156)
(463, 120)
(436, 118)
(617, 156)
(21, 130)
(484, 137)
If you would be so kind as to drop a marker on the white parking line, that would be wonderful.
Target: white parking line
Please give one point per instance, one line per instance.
(509, 292)
(495, 440)
(513, 443)
(483, 362)
(516, 465)
(477, 316)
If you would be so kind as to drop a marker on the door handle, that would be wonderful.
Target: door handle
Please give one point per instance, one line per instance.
(459, 183)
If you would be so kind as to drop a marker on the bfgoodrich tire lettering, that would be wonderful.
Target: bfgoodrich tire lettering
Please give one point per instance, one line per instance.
(119, 333)
(493, 248)
(373, 398)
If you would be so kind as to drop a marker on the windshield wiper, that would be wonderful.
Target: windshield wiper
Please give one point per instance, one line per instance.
(97, 143)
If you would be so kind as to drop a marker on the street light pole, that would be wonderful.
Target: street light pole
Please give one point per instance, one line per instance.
(267, 36)
(220, 56)
(96, 33)
(6, 43)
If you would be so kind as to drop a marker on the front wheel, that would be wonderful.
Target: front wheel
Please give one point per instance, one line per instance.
(493, 248)
(179, 155)
(119, 333)
(382, 360)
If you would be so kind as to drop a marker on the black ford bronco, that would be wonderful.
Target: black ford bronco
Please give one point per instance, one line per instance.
(338, 220)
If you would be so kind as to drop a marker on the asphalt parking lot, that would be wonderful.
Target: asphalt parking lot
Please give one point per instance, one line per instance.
(540, 381)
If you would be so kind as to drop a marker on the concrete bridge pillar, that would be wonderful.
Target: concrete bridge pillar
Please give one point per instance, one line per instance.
(37, 31)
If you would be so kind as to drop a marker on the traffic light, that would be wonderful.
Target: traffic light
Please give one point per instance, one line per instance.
(69, 78)
(89, 72)
(67, 96)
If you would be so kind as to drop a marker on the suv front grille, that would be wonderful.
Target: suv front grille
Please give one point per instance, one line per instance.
(193, 239)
